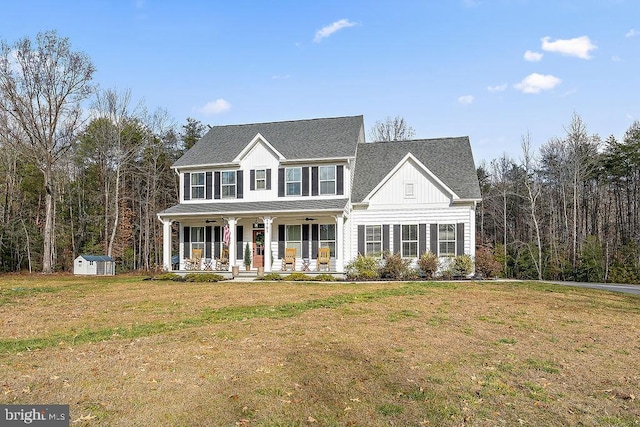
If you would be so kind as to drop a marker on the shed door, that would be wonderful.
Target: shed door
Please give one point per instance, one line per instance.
(100, 268)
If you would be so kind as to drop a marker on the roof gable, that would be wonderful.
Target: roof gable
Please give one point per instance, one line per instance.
(450, 160)
(257, 140)
(300, 139)
(410, 158)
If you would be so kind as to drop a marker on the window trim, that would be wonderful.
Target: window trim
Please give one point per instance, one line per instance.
(367, 242)
(234, 185)
(287, 181)
(334, 180)
(263, 179)
(193, 186)
(331, 243)
(412, 194)
(287, 240)
(447, 241)
(409, 241)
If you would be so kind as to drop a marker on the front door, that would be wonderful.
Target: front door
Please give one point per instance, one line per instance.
(258, 248)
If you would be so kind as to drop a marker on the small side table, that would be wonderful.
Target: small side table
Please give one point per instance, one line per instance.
(306, 264)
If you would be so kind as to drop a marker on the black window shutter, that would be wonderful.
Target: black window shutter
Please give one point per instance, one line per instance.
(340, 179)
(239, 249)
(422, 239)
(252, 179)
(315, 181)
(460, 239)
(187, 186)
(396, 239)
(216, 241)
(305, 181)
(209, 178)
(239, 184)
(217, 185)
(434, 239)
(187, 240)
(281, 241)
(305, 240)
(207, 241)
(385, 238)
(268, 179)
(361, 242)
(280, 183)
(315, 240)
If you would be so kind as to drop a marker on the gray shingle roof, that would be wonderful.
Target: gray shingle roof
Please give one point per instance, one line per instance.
(300, 139)
(96, 258)
(450, 159)
(275, 206)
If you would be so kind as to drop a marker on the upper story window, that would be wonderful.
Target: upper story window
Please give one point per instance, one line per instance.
(447, 239)
(409, 190)
(327, 179)
(410, 241)
(261, 179)
(197, 185)
(228, 184)
(293, 181)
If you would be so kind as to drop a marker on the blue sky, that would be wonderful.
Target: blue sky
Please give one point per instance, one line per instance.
(490, 69)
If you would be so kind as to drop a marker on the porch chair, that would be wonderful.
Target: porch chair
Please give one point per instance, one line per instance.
(222, 263)
(324, 258)
(289, 259)
(193, 263)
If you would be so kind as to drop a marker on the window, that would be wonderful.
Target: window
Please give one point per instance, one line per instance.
(409, 190)
(410, 241)
(197, 238)
(327, 237)
(197, 185)
(327, 179)
(446, 239)
(293, 238)
(293, 181)
(228, 184)
(373, 240)
(261, 179)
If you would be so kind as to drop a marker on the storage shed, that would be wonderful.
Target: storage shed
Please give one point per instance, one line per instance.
(94, 265)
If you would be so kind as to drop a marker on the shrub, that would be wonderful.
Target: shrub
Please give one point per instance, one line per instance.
(486, 263)
(461, 266)
(203, 277)
(169, 276)
(271, 277)
(362, 268)
(395, 267)
(324, 277)
(297, 277)
(429, 264)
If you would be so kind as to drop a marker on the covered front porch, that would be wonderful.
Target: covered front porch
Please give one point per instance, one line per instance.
(276, 242)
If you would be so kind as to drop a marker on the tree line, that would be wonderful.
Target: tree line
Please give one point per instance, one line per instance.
(569, 211)
(85, 170)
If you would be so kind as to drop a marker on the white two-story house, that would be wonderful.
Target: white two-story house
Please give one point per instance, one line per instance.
(308, 184)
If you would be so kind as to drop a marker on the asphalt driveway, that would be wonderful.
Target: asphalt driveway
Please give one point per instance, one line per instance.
(627, 289)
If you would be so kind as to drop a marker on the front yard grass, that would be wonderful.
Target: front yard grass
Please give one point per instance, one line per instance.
(123, 351)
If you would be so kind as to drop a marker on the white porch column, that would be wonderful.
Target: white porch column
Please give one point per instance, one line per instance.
(166, 245)
(339, 243)
(232, 240)
(268, 221)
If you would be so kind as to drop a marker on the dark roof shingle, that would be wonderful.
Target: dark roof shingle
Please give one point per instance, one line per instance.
(449, 159)
(301, 139)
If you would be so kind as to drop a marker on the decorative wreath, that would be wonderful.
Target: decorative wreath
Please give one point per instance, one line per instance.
(260, 239)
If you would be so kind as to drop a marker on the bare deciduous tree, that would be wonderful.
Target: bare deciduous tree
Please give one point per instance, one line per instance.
(391, 129)
(42, 86)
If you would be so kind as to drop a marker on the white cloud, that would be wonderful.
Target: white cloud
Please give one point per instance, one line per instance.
(498, 88)
(215, 107)
(466, 99)
(332, 28)
(578, 47)
(533, 56)
(536, 83)
(281, 76)
(632, 33)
